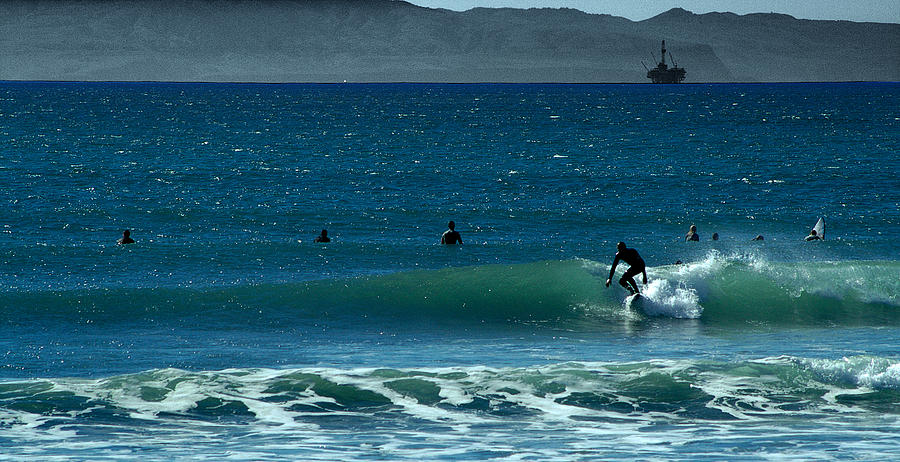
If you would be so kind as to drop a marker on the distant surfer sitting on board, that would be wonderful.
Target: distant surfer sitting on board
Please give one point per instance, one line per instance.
(818, 231)
(631, 257)
(322, 237)
(692, 234)
(126, 238)
(451, 236)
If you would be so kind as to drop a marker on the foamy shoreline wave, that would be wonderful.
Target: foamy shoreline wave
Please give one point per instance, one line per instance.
(620, 399)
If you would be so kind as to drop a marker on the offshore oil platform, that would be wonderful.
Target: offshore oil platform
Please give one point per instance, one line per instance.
(662, 73)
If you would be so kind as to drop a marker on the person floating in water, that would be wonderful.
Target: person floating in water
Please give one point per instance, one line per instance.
(692, 234)
(813, 236)
(759, 237)
(322, 237)
(451, 236)
(126, 238)
(634, 259)
(715, 236)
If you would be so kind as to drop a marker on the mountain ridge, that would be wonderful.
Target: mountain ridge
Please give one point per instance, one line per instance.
(389, 41)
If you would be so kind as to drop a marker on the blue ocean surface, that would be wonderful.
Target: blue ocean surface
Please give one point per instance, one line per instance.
(225, 332)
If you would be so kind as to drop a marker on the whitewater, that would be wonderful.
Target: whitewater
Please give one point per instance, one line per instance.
(225, 332)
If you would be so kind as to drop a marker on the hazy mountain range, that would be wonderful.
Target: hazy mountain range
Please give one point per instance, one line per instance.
(385, 40)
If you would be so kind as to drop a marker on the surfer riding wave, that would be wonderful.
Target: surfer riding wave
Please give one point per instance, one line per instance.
(637, 266)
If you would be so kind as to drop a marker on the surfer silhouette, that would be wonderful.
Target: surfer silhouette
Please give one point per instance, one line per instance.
(692, 234)
(636, 264)
(322, 237)
(451, 236)
(813, 236)
(126, 238)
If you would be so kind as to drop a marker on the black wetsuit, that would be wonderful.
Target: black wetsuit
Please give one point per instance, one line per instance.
(637, 264)
(451, 237)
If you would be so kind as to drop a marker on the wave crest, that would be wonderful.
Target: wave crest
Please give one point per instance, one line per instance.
(716, 289)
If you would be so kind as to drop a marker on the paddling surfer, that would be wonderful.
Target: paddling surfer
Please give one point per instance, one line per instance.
(637, 266)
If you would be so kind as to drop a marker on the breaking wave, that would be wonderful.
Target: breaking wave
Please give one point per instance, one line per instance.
(391, 406)
(714, 290)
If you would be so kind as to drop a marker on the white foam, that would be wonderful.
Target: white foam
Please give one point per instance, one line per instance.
(676, 291)
(562, 425)
(675, 300)
(862, 371)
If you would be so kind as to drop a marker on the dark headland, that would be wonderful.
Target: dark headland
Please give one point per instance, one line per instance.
(394, 41)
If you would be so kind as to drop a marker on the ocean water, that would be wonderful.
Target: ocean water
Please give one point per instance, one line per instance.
(225, 332)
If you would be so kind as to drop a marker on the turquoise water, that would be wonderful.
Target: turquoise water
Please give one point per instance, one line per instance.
(226, 332)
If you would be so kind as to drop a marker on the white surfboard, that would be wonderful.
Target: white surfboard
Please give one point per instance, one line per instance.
(820, 228)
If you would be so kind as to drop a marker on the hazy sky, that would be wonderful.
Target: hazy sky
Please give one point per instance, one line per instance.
(851, 10)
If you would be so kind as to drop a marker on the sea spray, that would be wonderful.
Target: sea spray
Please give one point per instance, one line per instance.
(665, 299)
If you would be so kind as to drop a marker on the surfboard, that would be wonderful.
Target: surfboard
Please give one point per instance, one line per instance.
(820, 228)
(634, 302)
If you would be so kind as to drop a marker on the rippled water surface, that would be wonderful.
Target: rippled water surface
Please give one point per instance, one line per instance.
(226, 332)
